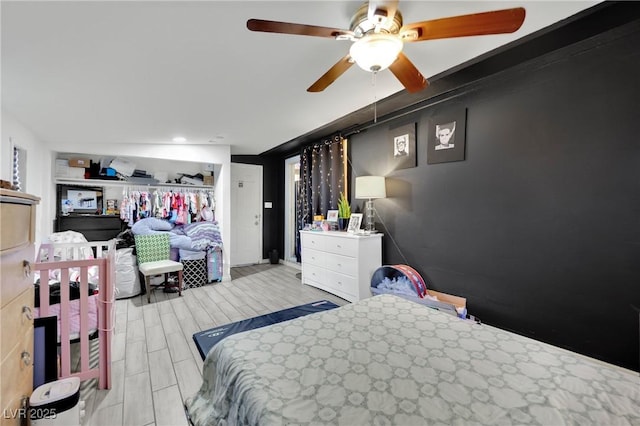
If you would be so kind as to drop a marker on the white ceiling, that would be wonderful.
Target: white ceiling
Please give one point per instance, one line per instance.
(99, 72)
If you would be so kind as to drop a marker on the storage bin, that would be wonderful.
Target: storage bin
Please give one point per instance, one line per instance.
(396, 271)
(194, 273)
(445, 302)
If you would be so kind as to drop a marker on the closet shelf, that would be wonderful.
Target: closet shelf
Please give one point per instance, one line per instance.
(123, 183)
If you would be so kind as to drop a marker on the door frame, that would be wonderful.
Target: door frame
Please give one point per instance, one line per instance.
(238, 167)
(289, 218)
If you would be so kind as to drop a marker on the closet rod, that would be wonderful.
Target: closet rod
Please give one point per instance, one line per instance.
(125, 184)
(162, 188)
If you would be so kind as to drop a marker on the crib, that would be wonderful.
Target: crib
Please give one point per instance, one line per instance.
(80, 320)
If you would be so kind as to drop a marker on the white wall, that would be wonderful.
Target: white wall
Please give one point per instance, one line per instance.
(38, 173)
(216, 154)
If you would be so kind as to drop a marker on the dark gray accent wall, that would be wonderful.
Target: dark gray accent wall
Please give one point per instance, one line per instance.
(539, 227)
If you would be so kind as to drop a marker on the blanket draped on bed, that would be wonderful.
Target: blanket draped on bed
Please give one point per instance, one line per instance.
(389, 361)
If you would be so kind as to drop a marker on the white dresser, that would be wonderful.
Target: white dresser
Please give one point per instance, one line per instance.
(340, 263)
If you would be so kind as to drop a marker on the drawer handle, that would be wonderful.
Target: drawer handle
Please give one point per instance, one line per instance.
(26, 311)
(26, 267)
(340, 264)
(339, 246)
(26, 358)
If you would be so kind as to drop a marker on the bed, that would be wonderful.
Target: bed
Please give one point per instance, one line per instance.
(387, 360)
(86, 264)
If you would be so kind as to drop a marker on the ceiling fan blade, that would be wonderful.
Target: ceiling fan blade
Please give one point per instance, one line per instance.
(494, 22)
(330, 76)
(382, 8)
(296, 29)
(408, 74)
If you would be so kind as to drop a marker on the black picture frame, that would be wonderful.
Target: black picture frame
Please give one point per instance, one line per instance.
(45, 350)
(402, 146)
(447, 136)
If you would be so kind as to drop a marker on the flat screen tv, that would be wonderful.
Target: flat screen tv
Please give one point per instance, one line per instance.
(79, 199)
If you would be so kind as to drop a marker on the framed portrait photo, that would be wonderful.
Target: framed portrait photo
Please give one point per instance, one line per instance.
(354, 222)
(403, 146)
(332, 215)
(447, 136)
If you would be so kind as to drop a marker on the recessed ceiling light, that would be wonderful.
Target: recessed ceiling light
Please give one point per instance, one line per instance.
(179, 139)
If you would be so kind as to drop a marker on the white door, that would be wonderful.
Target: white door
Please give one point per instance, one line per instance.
(246, 214)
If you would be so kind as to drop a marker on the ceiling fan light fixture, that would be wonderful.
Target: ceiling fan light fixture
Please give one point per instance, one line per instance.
(376, 52)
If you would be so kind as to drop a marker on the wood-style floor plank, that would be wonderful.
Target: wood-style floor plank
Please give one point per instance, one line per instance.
(168, 406)
(161, 370)
(138, 400)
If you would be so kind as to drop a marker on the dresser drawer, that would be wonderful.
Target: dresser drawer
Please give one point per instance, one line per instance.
(16, 273)
(313, 257)
(343, 264)
(17, 378)
(313, 274)
(342, 283)
(342, 246)
(15, 222)
(15, 321)
(312, 241)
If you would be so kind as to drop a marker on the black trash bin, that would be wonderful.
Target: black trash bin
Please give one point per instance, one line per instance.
(274, 257)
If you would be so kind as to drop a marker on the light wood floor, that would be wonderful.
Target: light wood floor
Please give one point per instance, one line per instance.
(156, 364)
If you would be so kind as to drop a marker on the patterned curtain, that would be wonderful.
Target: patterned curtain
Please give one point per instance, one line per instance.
(322, 179)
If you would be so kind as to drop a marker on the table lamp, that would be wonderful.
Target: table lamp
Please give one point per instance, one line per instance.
(370, 187)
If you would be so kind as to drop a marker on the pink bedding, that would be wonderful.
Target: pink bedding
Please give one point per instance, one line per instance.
(74, 317)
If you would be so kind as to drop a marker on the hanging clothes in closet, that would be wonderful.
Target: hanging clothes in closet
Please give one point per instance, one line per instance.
(177, 205)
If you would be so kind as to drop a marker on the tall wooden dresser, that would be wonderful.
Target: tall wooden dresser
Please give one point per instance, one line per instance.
(17, 236)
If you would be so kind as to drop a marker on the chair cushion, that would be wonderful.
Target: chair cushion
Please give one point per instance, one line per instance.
(159, 267)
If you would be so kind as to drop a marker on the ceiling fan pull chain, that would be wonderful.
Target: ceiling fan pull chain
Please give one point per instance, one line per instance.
(375, 97)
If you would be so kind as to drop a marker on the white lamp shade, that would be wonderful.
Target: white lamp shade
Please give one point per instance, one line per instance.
(370, 187)
(376, 52)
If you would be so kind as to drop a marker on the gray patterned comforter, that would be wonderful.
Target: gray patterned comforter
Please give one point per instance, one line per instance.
(389, 361)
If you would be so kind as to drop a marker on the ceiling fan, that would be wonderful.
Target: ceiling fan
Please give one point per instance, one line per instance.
(378, 35)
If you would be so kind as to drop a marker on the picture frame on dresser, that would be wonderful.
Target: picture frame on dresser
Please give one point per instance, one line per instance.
(354, 223)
